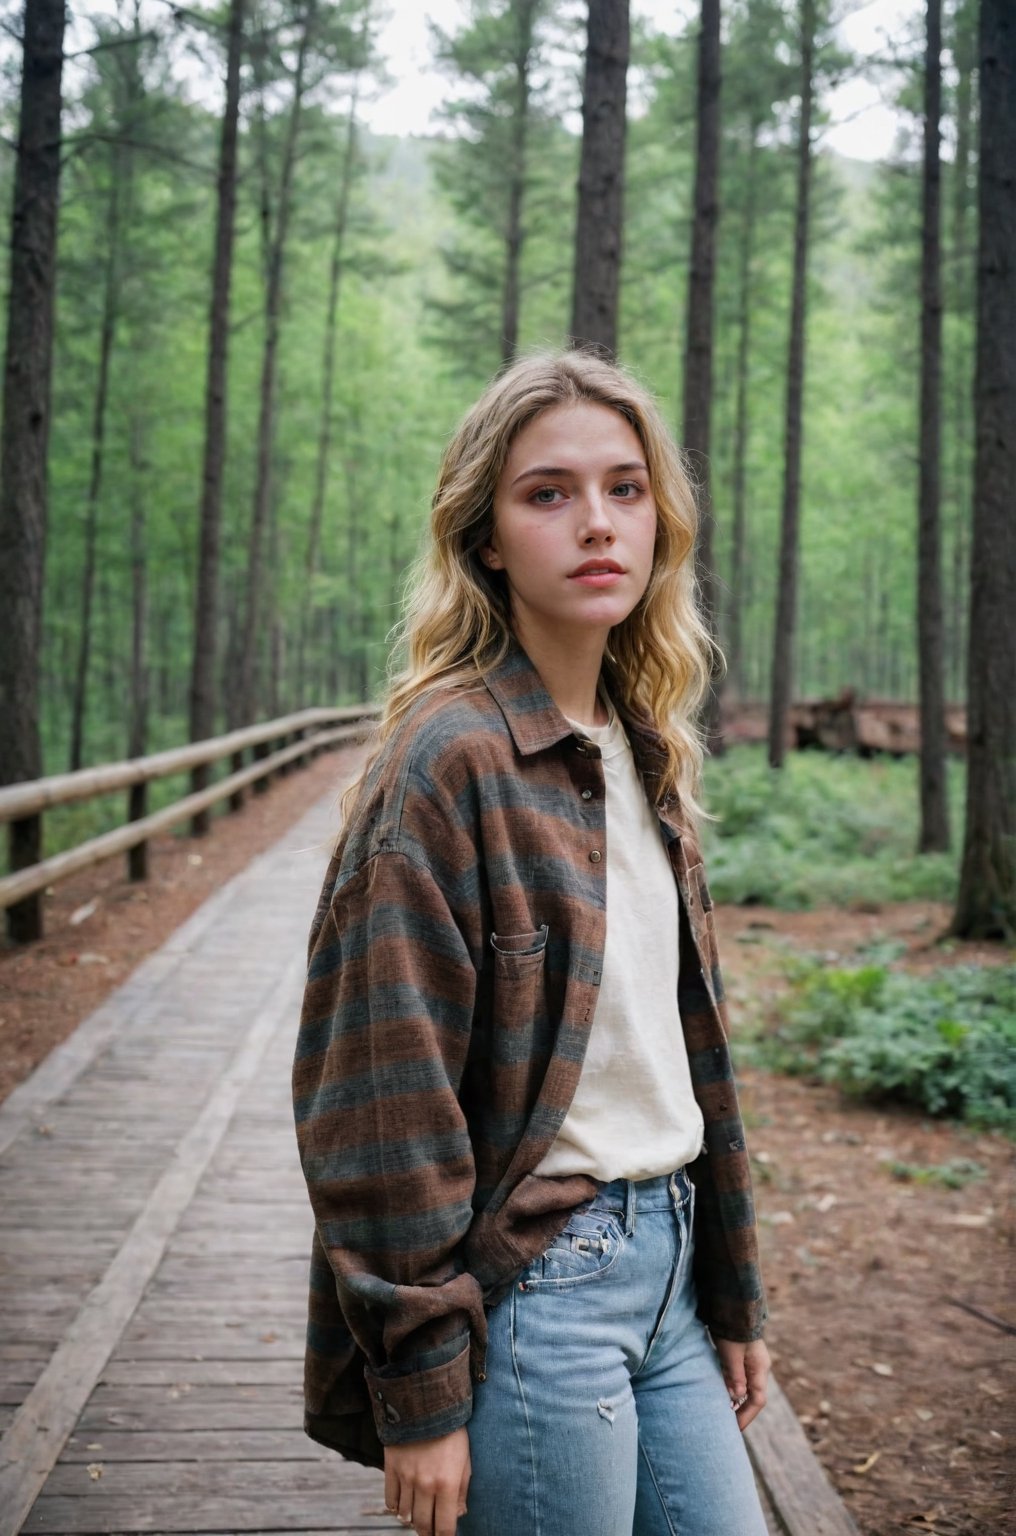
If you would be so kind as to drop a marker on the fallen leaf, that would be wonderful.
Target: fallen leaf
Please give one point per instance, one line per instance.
(924, 1414)
(881, 1369)
(194, 858)
(80, 913)
(95, 1470)
(868, 1463)
(826, 1203)
(269, 1338)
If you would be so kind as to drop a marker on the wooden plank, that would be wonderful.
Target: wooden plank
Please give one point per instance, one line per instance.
(229, 1407)
(64, 1065)
(791, 1474)
(232, 1445)
(186, 1497)
(199, 1373)
(46, 1418)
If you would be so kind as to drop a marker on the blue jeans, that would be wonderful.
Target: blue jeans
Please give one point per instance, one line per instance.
(604, 1411)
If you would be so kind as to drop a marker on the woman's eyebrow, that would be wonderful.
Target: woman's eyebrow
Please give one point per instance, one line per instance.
(557, 469)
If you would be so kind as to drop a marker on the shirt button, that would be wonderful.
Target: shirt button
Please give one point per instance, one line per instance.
(595, 856)
(587, 794)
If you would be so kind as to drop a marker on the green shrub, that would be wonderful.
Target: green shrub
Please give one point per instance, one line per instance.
(821, 830)
(945, 1042)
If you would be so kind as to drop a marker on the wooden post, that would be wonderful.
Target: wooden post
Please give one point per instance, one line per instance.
(24, 919)
(137, 857)
(200, 778)
(236, 798)
(261, 750)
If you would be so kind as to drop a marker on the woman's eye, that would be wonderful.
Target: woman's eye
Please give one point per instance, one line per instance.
(628, 489)
(546, 495)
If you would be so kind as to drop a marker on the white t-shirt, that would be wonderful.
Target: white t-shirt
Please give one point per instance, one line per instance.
(634, 1114)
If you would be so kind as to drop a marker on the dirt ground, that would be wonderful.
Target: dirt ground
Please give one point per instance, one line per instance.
(893, 1309)
(906, 1394)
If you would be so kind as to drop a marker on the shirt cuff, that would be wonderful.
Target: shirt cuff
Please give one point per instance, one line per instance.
(422, 1404)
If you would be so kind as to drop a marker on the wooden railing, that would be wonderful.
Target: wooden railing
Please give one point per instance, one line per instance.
(276, 746)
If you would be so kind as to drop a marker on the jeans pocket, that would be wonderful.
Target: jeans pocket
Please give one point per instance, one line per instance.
(587, 1249)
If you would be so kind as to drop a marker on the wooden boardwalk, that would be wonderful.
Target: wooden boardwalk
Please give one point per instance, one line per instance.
(154, 1234)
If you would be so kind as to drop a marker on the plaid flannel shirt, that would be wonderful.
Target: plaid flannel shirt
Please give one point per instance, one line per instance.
(454, 961)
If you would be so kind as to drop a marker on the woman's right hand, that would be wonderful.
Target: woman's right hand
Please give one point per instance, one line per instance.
(426, 1482)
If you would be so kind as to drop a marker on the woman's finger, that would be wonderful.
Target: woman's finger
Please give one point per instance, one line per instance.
(423, 1514)
(391, 1489)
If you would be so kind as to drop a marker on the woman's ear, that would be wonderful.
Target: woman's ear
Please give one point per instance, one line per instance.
(490, 557)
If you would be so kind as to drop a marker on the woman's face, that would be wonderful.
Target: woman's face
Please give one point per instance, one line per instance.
(574, 521)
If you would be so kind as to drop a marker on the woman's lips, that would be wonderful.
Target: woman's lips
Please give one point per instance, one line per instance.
(597, 578)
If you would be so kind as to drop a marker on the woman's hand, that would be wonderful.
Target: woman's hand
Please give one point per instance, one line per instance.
(745, 1370)
(426, 1482)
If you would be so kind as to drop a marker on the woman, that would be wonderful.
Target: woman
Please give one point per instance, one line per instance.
(514, 1100)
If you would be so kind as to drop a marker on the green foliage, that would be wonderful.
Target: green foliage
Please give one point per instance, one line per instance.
(822, 829)
(945, 1043)
(957, 1173)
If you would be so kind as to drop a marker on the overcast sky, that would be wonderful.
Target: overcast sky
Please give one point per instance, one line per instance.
(862, 126)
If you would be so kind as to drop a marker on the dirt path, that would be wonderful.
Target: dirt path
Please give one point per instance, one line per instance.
(906, 1395)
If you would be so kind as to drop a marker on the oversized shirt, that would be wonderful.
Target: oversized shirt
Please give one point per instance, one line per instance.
(454, 963)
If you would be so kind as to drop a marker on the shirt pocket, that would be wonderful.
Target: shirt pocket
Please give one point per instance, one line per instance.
(518, 989)
(517, 955)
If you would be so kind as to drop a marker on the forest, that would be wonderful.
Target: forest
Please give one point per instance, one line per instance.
(240, 328)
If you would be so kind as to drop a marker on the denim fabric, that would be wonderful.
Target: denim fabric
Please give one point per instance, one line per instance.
(604, 1411)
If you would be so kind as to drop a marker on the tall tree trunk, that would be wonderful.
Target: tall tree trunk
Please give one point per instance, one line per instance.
(26, 416)
(327, 384)
(206, 602)
(964, 50)
(738, 595)
(524, 16)
(782, 681)
(266, 419)
(107, 336)
(137, 729)
(600, 223)
(698, 357)
(986, 904)
(934, 832)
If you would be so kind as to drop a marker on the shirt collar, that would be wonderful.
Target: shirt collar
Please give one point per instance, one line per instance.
(532, 717)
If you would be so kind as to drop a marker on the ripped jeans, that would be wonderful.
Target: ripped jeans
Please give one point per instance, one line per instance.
(604, 1411)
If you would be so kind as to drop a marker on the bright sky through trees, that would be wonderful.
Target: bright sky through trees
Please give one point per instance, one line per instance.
(861, 127)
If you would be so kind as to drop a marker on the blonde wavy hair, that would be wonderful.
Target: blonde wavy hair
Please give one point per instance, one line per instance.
(457, 623)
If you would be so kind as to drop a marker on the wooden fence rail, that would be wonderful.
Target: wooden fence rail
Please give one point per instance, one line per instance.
(295, 737)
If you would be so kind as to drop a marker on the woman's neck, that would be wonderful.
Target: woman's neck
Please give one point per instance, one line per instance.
(569, 667)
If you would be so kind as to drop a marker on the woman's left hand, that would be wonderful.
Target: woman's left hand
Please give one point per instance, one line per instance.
(745, 1370)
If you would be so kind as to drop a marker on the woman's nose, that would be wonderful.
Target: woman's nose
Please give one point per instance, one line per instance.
(597, 522)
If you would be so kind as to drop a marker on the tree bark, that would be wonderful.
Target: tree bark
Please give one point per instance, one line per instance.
(698, 357)
(738, 595)
(28, 366)
(266, 419)
(107, 335)
(782, 681)
(986, 904)
(327, 384)
(203, 670)
(964, 51)
(137, 730)
(934, 830)
(600, 222)
(524, 17)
